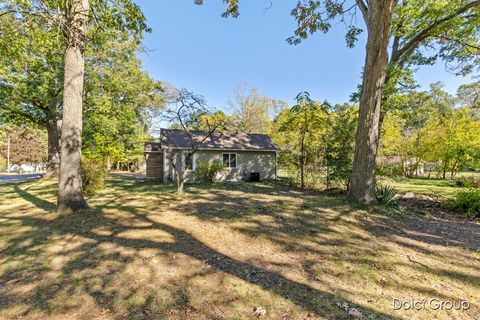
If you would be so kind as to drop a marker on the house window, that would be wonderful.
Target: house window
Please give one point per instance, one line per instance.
(191, 166)
(230, 160)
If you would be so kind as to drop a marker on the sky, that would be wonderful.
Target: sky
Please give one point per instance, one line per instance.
(193, 47)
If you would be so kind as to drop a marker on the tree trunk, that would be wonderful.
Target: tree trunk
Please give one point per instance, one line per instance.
(444, 170)
(178, 171)
(180, 185)
(362, 184)
(302, 174)
(302, 161)
(180, 177)
(53, 158)
(454, 169)
(70, 195)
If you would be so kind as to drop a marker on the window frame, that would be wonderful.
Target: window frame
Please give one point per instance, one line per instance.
(230, 160)
(194, 160)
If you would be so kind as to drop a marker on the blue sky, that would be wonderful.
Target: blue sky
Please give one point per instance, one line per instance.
(193, 47)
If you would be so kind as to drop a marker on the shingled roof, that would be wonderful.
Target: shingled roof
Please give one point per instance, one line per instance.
(219, 140)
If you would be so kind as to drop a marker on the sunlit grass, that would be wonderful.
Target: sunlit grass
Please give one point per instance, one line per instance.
(431, 187)
(140, 252)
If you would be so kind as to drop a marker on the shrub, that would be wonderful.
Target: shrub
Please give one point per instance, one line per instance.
(468, 202)
(93, 175)
(206, 171)
(284, 182)
(468, 182)
(385, 195)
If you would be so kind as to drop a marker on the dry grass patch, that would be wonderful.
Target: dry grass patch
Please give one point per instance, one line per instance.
(141, 253)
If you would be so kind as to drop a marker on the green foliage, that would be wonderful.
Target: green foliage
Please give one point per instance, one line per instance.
(318, 140)
(469, 95)
(31, 77)
(300, 133)
(120, 99)
(206, 171)
(451, 26)
(468, 202)
(432, 127)
(312, 16)
(385, 195)
(32, 50)
(93, 175)
(341, 143)
(28, 144)
(468, 182)
(250, 110)
(390, 169)
(217, 119)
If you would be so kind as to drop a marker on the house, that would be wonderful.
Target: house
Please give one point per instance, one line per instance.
(404, 166)
(245, 156)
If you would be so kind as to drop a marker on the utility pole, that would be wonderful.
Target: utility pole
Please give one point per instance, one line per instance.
(8, 153)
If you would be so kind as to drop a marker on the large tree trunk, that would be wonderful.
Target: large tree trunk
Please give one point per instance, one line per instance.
(70, 195)
(362, 184)
(53, 158)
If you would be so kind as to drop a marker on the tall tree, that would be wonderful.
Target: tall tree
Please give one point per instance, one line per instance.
(305, 125)
(71, 17)
(187, 112)
(468, 95)
(28, 145)
(415, 24)
(70, 194)
(120, 101)
(378, 18)
(341, 144)
(250, 110)
(116, 88)
(31, 79)
(432, 127)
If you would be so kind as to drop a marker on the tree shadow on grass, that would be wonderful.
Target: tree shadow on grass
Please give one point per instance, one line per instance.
(92, 252)
(355, 236)
(309, 216)
(36, 201)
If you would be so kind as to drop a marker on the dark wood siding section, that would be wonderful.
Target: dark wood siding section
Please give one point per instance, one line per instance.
(155, 166)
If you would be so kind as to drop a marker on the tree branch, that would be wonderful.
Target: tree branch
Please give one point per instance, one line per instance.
(364, 9)
(413, 43)
(469, 45)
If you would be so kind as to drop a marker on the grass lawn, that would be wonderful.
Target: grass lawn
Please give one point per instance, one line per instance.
(423, 186)
(223, 250)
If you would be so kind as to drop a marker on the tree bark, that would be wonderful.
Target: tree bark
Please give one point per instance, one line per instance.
(70, 194)
(379, 23)
(180, 185)
(53, 157)
(444, 169)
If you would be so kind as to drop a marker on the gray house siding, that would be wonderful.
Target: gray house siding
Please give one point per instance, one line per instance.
(263, 162)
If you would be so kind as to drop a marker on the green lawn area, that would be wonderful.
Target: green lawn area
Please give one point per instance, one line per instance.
(441, 188)
(139, 252)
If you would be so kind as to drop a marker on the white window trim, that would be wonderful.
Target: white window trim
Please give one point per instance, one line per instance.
(236, 159)
(165, 166)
